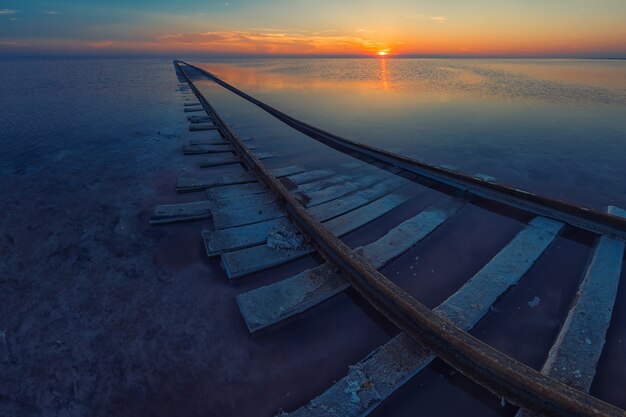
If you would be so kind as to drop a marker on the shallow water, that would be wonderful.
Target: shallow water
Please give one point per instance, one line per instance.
(556, 127)
(106, 315)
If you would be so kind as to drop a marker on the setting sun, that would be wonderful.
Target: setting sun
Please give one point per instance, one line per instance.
(383, 52)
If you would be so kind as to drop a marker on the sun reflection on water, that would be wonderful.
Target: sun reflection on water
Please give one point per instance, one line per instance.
(384, 75)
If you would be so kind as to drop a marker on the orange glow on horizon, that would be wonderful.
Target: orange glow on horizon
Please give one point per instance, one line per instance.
(399, 42)
(452, 42)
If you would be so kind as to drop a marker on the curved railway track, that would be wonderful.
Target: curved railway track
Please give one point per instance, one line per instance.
(311, 209)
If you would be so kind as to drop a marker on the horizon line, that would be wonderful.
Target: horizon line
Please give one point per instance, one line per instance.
(308, 56)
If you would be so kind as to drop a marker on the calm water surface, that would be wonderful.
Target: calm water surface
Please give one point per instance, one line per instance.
(106, 315)
(557, 127)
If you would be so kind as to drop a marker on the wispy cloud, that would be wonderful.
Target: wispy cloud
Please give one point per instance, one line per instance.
(8, 11)
(438, 19)
(52, 12)
(423, 18)
(10, 43)
(271, 41)
(268, 30)
(102, 44)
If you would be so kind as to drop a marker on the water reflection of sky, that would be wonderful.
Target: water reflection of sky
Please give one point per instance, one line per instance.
(557, 127)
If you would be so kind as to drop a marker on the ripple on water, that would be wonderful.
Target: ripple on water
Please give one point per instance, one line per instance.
(76, 112)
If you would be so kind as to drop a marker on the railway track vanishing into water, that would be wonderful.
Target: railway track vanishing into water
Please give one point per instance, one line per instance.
(267, 217)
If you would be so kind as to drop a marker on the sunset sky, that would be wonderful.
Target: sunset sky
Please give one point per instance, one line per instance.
(554, 28)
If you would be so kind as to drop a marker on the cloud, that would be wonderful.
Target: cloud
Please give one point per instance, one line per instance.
(52, 12)
(438, 19)
(267, 30)
(8, 11)
(271, 41)
(102, 44)
(423, 18)
(10, 43)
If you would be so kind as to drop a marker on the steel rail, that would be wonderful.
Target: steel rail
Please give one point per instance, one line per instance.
(500, 374)
(572, 214)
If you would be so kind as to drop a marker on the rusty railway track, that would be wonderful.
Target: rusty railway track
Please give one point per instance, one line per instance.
(296, 201)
